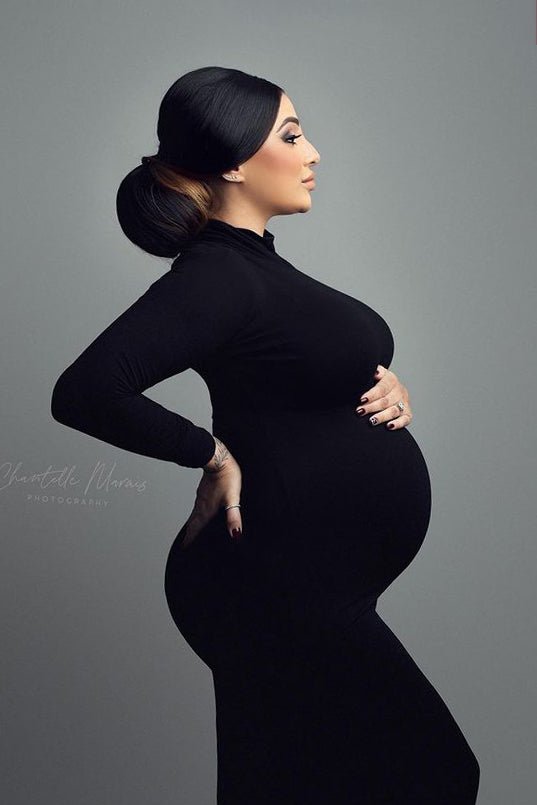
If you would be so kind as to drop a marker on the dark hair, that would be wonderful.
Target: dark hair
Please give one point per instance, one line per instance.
(210, 120)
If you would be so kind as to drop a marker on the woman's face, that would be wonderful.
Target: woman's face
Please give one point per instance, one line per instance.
(273, 179)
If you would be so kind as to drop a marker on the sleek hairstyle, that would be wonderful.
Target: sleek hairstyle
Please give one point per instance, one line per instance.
(210, 120)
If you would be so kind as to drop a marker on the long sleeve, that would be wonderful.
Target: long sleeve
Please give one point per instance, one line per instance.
(184, 317)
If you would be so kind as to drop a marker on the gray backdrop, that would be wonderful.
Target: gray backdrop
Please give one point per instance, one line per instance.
(425, 208)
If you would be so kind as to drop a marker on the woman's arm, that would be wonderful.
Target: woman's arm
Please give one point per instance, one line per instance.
(184, 316)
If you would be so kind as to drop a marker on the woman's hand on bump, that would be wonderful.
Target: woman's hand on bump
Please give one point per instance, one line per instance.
(220, 486)
(381, 400)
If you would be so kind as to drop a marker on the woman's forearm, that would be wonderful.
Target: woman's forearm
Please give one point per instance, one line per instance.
(221, 455)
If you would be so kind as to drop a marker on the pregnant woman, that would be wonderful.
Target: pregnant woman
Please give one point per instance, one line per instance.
(306, 510)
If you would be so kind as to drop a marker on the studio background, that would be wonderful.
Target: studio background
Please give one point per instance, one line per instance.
(424, 114)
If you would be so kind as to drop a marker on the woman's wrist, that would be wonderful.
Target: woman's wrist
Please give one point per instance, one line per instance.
(220, 457)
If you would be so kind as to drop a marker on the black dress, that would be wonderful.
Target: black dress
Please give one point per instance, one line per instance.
(317, 701)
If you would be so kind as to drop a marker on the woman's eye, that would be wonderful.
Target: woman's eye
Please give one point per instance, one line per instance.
(292, 137)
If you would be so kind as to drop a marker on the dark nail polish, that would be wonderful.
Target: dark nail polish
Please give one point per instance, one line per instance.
(391, 426)
(360, 411)
(363, 400)
(236, 533)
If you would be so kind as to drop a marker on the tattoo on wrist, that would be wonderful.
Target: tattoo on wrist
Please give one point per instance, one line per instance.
(219, 458)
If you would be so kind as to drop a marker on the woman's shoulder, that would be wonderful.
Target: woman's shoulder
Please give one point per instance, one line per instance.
(214, 267)
(209, 273)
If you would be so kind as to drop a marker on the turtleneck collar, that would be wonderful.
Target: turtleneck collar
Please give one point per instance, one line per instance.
(219, 231)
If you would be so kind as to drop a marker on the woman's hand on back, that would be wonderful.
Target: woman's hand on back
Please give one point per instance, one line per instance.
(220, 486)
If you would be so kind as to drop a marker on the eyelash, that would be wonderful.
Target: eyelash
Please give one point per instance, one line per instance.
(292, 137)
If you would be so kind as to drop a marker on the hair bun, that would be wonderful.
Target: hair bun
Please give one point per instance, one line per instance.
(209, 120)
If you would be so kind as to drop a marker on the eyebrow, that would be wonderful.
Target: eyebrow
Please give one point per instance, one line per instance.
(288, 120)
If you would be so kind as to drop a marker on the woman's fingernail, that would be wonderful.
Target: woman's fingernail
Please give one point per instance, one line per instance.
(360, 411)
(391, 426)
(373, 420)
(236, 533)
(363, 400)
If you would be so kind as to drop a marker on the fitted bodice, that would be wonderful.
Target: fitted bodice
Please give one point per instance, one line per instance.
(304, 345)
